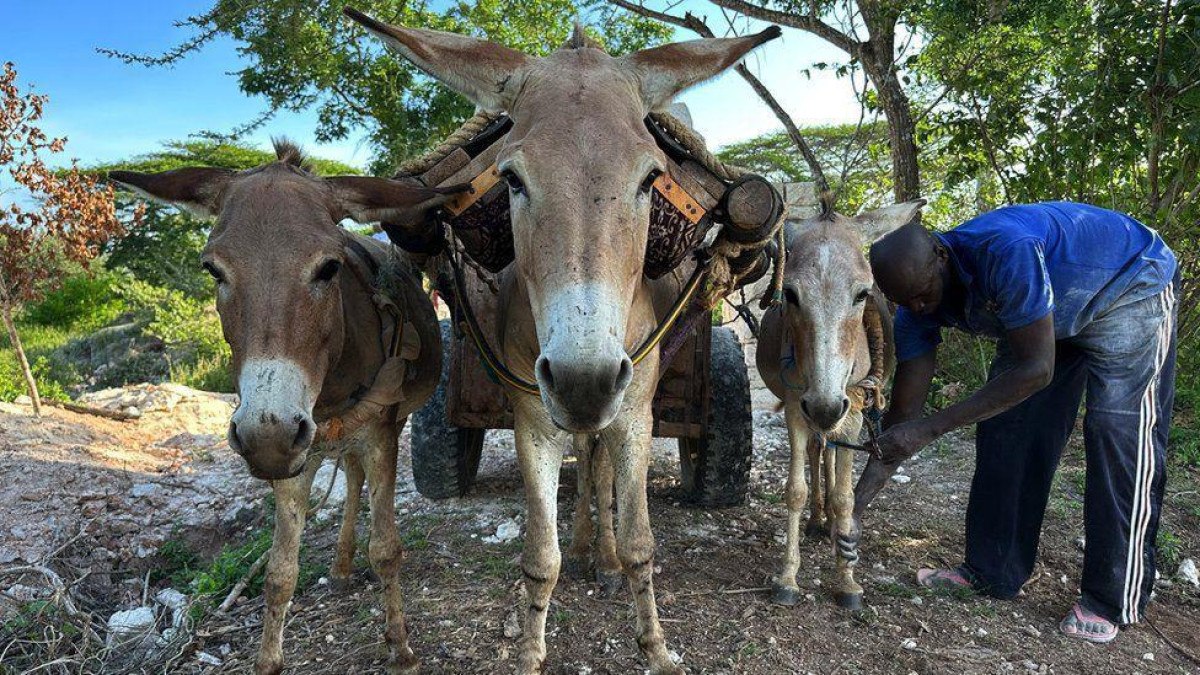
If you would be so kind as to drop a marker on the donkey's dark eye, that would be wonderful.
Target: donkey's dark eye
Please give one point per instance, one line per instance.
(861, 297)
(648, 181)
(514, 182)
(214, 272)
(327, 271)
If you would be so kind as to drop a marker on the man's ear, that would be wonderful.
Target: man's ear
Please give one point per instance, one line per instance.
(877, 224)
(195, 189)
(370, 200)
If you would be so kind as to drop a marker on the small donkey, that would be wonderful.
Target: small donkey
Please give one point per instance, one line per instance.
(810, 350)
(315, 345)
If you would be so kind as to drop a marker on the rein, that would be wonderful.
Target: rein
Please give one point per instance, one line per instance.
(386, 387)
(502, 372)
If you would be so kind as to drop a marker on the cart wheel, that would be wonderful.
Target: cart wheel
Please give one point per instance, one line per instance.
(716, 468)
(445, 458)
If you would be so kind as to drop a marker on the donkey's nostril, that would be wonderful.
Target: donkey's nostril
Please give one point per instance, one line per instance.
(804, 407)
(544, 372)
(234, 442)
(624, 375)
(845, 404)
(304, 432)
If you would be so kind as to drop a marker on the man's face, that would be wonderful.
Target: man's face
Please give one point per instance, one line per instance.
(920, 290)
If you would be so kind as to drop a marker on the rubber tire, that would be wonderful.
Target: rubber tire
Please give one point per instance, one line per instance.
(445, 458)
(716, 468)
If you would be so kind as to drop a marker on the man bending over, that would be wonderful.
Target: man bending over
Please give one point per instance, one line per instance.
(1079, 299)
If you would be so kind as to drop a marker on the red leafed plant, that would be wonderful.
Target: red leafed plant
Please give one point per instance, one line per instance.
(67, 216)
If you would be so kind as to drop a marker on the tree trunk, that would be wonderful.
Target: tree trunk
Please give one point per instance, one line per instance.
(902, 129)
(25, 370)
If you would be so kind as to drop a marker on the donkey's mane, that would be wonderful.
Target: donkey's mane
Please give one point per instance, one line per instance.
(580, 39)
(289, 153)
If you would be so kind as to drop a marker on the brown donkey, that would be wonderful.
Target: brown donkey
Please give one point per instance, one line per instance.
(299, 300)
(580, 164)
(811, 350)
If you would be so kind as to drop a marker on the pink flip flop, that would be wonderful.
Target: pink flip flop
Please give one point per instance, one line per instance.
(943, 579)
(1085, 625)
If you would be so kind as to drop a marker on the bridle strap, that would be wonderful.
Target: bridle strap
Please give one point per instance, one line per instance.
(493, 363)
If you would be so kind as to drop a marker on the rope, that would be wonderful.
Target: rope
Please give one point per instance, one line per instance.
(460, 137)
(695, 145)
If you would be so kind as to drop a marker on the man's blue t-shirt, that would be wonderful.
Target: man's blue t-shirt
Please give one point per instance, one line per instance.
(1020, 263)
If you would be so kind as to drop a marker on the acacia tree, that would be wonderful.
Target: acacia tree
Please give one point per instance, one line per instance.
(305, 55)
(70, 219)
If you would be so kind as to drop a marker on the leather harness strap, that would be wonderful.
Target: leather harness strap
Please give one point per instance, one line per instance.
(403, 345)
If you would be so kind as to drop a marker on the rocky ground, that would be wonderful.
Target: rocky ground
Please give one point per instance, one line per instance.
(135, 485)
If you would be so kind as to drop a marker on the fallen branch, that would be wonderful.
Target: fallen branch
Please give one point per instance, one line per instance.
(92, 410)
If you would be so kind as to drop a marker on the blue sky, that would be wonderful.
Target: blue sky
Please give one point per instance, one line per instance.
(109, 110)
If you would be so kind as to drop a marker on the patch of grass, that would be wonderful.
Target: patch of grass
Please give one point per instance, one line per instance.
(893, 589)
(771, 497)
(749, 650)
(1170, 549)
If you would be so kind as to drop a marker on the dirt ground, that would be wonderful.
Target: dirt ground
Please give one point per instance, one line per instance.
(712, 567)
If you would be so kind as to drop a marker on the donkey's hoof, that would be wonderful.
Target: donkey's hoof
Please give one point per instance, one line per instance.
(850, 601)
(788, 596)
(815, 530)
(671, 669)
(408, 666)
(268, 667)
(610, 582)
(576, 567)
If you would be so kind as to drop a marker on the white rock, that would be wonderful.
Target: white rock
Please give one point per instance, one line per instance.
(512, 626)
(916, 600)
(1187, 572)
(505, 532)
(675, 657)
(129, 624)
(337, 495)
(1148, 656)
(908, 643)
(1031, 666)
(979, 632)
(1081, 543)
(133, 411)
(207, 659)
(23, 593)
(901, 478)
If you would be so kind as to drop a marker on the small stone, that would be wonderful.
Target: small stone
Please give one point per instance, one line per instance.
(979, 632)
(1031, 631)
(208, 659)
(23, 399)
(329, 638)
(1081, 543)
(1188, 573)
(677, 659)
(505, 532)
(131, 623)
(323, 581)
(512, 626)
(908, 643)
(1148, 656)
(1031, 666)
(901, 478)
(171, 598)
(916, 600)
(877, 567)
(1063, 579)
(135, 412)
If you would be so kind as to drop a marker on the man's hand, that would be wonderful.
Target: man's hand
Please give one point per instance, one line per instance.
(904, 440)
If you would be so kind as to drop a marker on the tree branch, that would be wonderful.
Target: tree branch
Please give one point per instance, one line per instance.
(806, 22)
(698, 26)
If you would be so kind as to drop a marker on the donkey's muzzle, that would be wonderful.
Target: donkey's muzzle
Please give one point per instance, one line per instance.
(824, 413)
(274, 445)
(583, 396)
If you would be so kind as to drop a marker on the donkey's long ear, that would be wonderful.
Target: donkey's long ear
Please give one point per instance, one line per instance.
(370, 200)
(485, 72)
(665, 71)
(196, 189)
(875, 225)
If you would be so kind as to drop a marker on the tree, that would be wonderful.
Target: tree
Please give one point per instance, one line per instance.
(164, 248)
(71, 219)
(304, 54)
(1091, 101)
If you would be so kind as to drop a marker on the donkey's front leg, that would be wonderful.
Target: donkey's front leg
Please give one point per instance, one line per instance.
(785, 589)
(343, 558)
(845, 532)
(608, 563)
(579, 553)
(539, 452)
(817, 527)
(385, 550)
(628, 442)
(291, 507)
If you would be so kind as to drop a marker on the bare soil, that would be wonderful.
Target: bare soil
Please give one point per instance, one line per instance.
(712, 567)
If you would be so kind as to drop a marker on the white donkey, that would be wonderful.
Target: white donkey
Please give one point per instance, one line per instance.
(580, 164)
(811, 351)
